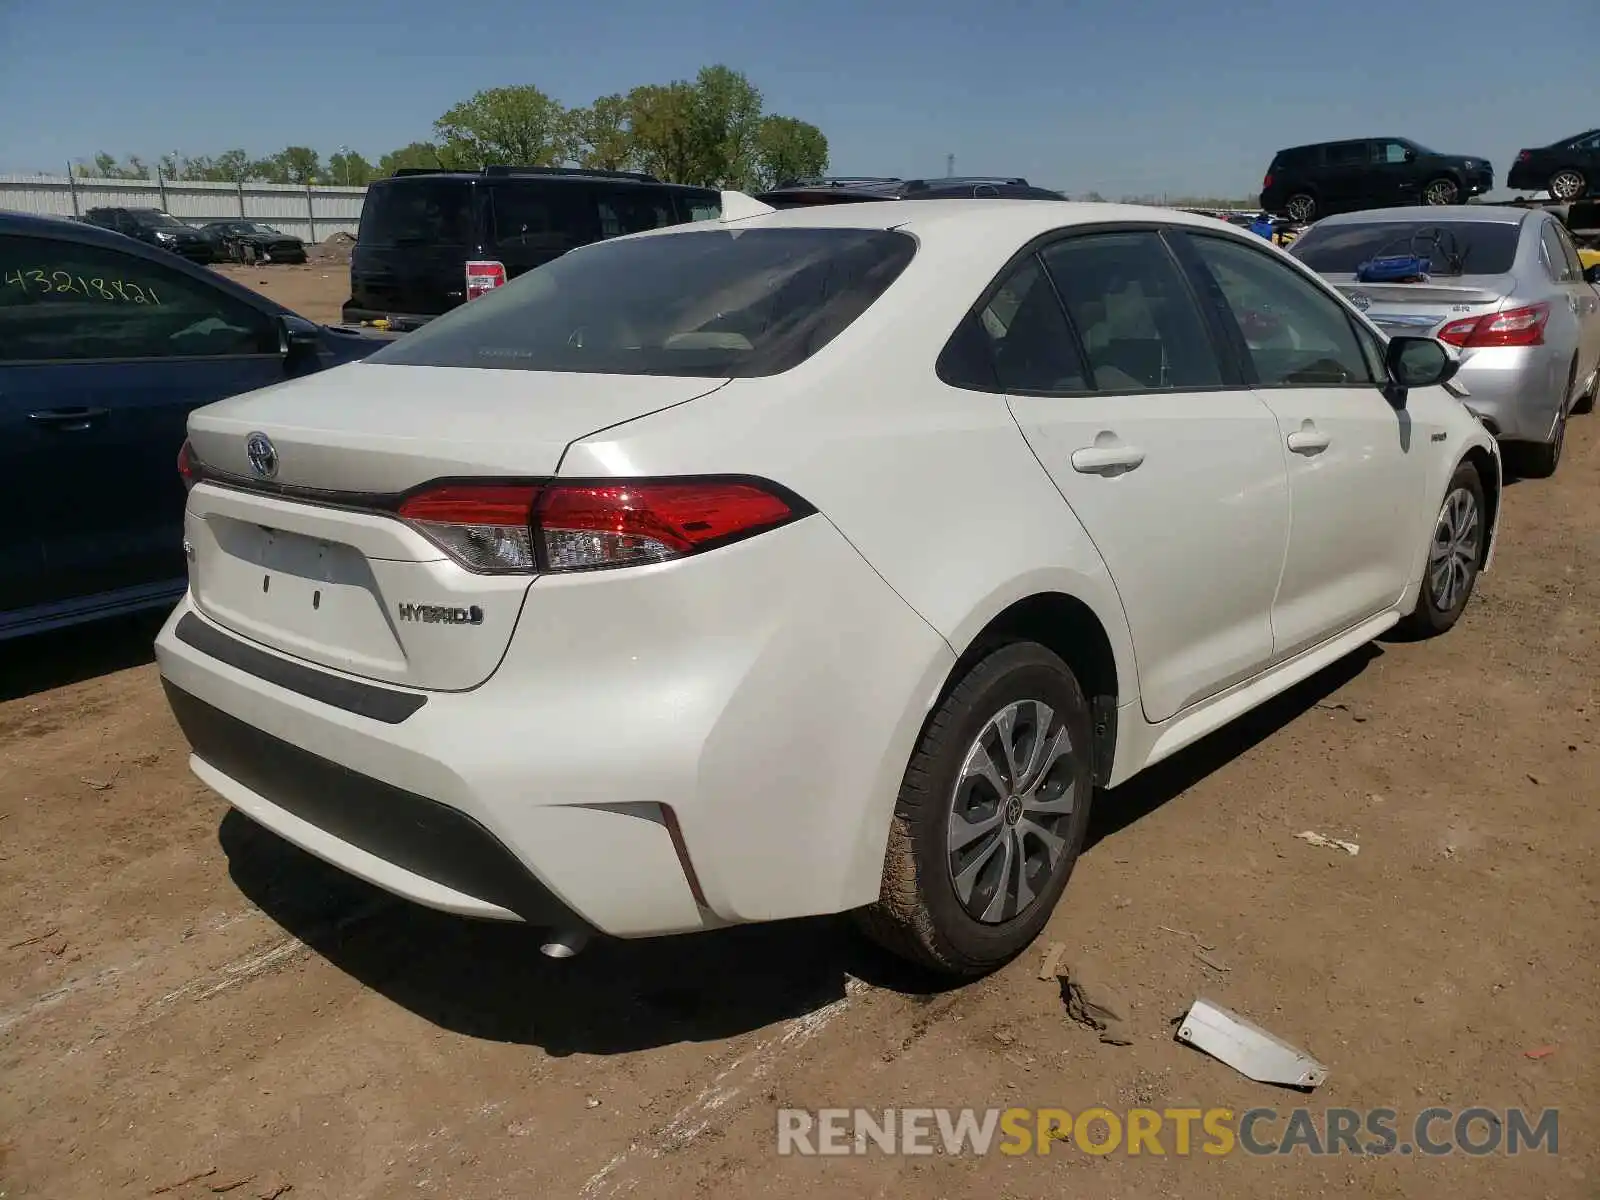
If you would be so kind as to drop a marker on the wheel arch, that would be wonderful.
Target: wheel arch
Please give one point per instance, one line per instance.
(1097, 650)
(1488, 468)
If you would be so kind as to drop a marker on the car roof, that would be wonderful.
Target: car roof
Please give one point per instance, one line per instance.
(1442, 215)
(998, 221)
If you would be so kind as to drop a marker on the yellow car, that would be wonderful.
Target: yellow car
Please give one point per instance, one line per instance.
(1589, 258)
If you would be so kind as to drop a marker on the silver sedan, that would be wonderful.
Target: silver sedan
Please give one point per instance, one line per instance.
(1504, 286)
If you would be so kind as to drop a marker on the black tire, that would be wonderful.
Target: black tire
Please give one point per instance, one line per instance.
(1441, 192)
(920, 914)
(247, 254)
(1301, 208)
(1439, 608)
(1539, 460)
(1568, 185)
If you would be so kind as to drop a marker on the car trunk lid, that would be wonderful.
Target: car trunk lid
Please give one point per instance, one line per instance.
(1421, 308)
(313, 562)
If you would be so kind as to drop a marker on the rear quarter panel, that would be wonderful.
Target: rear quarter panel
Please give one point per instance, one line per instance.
(933, 486)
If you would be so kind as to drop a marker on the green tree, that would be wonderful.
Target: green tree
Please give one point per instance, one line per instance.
(413, 156)
(788, 148)
(724, 128)
(601, 133)
(230, 165)
(106, 167)
(350, 169)
(514, 126)
(298, 164)
(661, 121)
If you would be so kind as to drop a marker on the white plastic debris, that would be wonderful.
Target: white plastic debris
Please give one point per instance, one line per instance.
(1247, 1048)
(1317, 839)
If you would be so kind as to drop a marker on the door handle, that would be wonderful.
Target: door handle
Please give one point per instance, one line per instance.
(69, 419)
(1308, 441)
(1106, 460)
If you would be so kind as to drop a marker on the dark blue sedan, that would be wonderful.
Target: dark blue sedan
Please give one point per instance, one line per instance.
(106, 345)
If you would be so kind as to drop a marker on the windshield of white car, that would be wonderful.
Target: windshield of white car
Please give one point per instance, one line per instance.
(1451, 247)
(726, 302)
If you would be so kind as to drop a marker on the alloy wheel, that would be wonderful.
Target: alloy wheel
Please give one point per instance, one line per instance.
(1454, 555)
(1441, 192)
(1016, 786)
(1301, 208)
(1566, 185)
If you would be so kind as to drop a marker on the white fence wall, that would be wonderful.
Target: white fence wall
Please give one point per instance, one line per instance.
(311, 213)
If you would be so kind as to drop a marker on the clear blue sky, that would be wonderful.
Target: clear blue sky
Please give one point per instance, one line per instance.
(1119, 96)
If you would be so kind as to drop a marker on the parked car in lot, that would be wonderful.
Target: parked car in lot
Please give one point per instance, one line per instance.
(432, 240)
(1307, 182)
(155, 228)
(252, 241)
(736, 586)
(105, 347)
(1505, 286)
(1568, 169)
(802, 193)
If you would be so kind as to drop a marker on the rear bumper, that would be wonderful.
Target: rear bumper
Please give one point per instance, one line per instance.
(1516, 390)
(1527, 179)
(764, 697)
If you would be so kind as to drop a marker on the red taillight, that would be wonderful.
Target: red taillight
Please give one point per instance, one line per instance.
(1524, 155)
(1266, 183)
(1514, 327)
(484, 276)
(484, 527)
(505, 528)
(187, 469)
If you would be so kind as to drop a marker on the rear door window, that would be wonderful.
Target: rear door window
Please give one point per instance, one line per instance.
(1348, 154)
(1555, 255)
(1136, 317)
(633, 210)
(419, 211)
(704, 302)
(543, 216)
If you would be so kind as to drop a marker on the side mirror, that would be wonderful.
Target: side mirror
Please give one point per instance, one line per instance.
(1592, 275)
(1411, 155)
(299, 343)
(1416, 362)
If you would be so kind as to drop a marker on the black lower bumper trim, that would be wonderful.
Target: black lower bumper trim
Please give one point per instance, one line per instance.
(380, 704)
(420, 835)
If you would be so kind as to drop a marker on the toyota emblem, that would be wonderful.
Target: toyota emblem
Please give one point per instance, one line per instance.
(263, 456)
(1361, 300)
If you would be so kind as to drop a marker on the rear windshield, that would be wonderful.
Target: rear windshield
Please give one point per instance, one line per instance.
(418, 211)
(706, 303)
(1453, 247)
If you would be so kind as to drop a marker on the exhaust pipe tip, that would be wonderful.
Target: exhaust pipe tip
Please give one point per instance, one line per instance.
(566, 943)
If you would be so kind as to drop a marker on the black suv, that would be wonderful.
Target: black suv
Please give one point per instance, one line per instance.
(431, 240)
(156, 228)
(1307, 182)
(801, 193)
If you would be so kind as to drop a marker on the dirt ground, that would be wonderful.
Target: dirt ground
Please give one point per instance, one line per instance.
(316, 290)
(187, 1003)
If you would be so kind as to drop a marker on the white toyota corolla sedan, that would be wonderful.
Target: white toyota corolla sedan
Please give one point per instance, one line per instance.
(804, 562)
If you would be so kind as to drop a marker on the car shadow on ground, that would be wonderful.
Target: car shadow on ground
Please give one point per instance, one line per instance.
(43, 661)
(488, 980)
